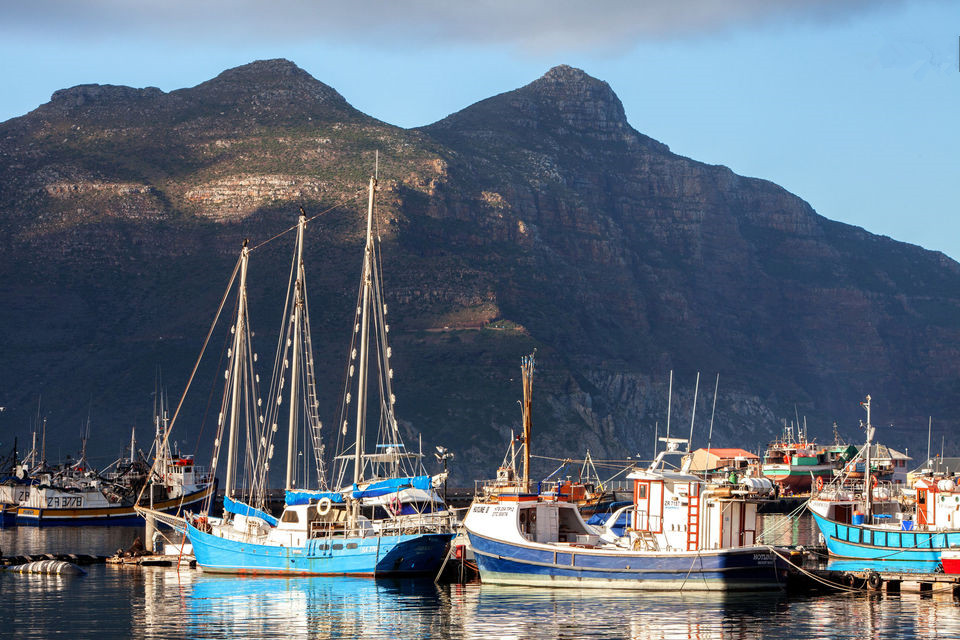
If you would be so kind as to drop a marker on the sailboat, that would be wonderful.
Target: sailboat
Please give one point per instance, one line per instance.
(384, 522)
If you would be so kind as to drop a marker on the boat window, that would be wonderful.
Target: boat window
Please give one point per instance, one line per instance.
(642, 492)
(290, 516)
(351, 545)
(337, 546)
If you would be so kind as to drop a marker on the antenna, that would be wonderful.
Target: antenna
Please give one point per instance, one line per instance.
(929, 428)
(376, 164)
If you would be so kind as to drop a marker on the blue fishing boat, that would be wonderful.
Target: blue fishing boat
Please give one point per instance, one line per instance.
(389, 520)
(867, 519)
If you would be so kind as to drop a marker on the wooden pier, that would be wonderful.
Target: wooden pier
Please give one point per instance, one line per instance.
(889, 581)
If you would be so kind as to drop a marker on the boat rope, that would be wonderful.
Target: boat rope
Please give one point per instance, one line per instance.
(313, 217)
(776, 529)
(829, 583)
(206, 341)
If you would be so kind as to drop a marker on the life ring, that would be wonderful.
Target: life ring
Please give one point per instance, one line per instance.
(394, 506)
(875, 483)
(786, 458)
(819, 483)
(324, 506)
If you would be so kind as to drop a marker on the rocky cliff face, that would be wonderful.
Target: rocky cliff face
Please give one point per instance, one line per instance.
(538, 218)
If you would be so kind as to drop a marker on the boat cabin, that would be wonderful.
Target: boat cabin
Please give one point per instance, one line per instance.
(675, 510)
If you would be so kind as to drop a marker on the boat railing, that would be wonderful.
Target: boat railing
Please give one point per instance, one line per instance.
(407, 526)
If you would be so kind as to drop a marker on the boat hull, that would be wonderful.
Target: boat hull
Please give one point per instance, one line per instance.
(796, 478)
(751, 568)
(8, 514)
(865, 542)
(119, 515)
(412, 554)
(950, 559)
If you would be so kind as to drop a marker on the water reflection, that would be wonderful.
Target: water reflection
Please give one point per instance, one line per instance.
(881, 566)
(152, 602)
(516, 612)
(213, 606)
(102, 541)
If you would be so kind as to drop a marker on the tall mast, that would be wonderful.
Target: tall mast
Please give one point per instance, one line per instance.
(364, 339)
(526, 370)
(867, 488)
(693, 414)
(239, 330)
(295, 360)
(669, 400)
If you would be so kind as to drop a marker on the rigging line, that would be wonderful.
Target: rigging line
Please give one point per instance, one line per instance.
(196, 366)
(313, 217)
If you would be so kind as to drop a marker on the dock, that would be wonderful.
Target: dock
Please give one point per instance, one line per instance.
(889, 581)
(154, 560)
(810, 573)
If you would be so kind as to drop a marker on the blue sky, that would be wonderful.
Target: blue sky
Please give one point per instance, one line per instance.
(850, 104)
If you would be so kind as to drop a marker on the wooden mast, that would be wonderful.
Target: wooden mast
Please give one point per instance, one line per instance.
(364, 340)
(295, 359)
(239, 329)
(526, 370)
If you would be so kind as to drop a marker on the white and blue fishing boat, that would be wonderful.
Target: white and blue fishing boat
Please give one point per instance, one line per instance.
(389, 520)
(866, 519)
(684, 533)
(78, 495)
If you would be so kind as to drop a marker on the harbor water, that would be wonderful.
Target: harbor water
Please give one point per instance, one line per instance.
(158, 602)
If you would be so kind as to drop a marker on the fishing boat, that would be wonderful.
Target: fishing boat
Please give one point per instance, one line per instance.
(795, 463)
(79, 495)
(866, 520)
(684, 533)
(14, 486)
(385, 519)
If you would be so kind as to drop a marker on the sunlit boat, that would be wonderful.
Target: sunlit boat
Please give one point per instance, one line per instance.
(80, 496)
(684, 534)
(388, 521)
(865, 519)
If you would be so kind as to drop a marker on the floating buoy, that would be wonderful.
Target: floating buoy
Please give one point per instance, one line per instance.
(50, 567)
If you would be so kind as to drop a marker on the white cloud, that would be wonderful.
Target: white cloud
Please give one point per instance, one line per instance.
(533, 26)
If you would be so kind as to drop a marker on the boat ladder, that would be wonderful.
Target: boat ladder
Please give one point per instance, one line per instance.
(313, 411)
(646, 541)
(693, 516)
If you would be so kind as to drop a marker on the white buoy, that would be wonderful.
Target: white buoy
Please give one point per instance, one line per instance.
(49, 567)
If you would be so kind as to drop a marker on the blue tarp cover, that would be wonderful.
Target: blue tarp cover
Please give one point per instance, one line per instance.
(246, 510)
(303, 497)
(381, 488)
(392, 486)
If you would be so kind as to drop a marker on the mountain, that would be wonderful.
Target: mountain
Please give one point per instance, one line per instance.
(535, 219)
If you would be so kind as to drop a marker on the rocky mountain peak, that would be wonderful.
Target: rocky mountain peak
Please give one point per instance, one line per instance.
(276, 82)
(92, 94)
(563, 101)
(579, 100)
